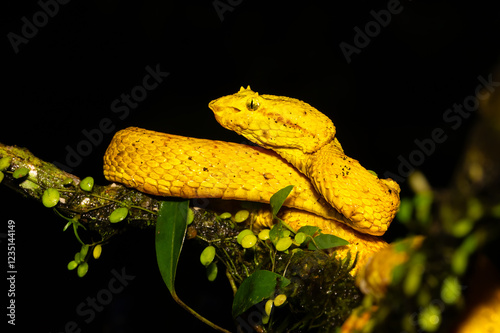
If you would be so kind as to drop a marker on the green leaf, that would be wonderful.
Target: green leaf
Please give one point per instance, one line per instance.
(309, 230)
(256, 288)
(462, 227)
(207, 255)
(82, 269)
(451, 290)
(242, 235)
(5, 163)
(190, 217)
(50, 197)
(405, 210)
(300, 237)
(225, 215)
(276, 232)
(96, 253)
(212, 272)
(279, 198)
(423, 202)
(249, 241)
(241, 216)
(87, 184)
(413, 279)
(264, 234)
(72, 265)
(20, 173)
(326, 241)
(84, 250)
(283, 243)
(67, 225)
(171, 228)
(118, 215)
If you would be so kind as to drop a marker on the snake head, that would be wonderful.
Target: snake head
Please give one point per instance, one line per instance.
(274, 121)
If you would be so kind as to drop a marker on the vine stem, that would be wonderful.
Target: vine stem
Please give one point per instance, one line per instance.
(119, 202)
(197, 315)
(231, 282)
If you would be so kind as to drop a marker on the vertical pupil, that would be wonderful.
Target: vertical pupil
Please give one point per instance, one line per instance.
(253, 104)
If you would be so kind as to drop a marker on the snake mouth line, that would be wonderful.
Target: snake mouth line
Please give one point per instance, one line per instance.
(216, 108)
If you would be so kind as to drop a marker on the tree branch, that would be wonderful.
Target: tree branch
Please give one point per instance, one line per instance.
(311, 272)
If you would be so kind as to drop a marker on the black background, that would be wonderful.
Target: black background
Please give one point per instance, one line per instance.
(65, 78)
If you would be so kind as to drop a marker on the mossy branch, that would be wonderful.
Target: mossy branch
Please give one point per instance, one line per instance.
(311, 272)
(91, 208)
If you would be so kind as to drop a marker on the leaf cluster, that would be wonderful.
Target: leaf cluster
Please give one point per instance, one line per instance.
(281, 267)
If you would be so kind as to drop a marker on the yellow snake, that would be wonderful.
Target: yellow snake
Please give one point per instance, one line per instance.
(299, 148)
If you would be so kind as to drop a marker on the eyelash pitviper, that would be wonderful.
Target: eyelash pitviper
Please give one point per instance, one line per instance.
(329, 187)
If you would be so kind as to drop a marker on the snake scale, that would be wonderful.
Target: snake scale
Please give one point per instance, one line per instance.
(297, 147)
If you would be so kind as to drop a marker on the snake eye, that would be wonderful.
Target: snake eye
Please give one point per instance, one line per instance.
(253, 104)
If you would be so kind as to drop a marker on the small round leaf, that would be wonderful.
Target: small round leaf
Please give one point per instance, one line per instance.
(242, 234)
(249, 241)
(87, 184)
(97, 251)
(225, 215)
(459, 261)
(451, 290)
(241, 216)
(78, 257)
(207, 255)
(264, 234)
(20, 173)
(283, 243)
(462, 227)
(429, 318)
(118, 215)
(300, 237)
(4, 163)
(72, 265)
(212, 271)
(82, 269)
(268, 307)
(50, 197)
(280, 300)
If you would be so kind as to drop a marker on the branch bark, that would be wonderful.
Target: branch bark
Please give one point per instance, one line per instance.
(311, 272)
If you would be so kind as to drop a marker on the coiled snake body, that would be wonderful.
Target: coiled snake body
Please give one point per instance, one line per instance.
(298, 148)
